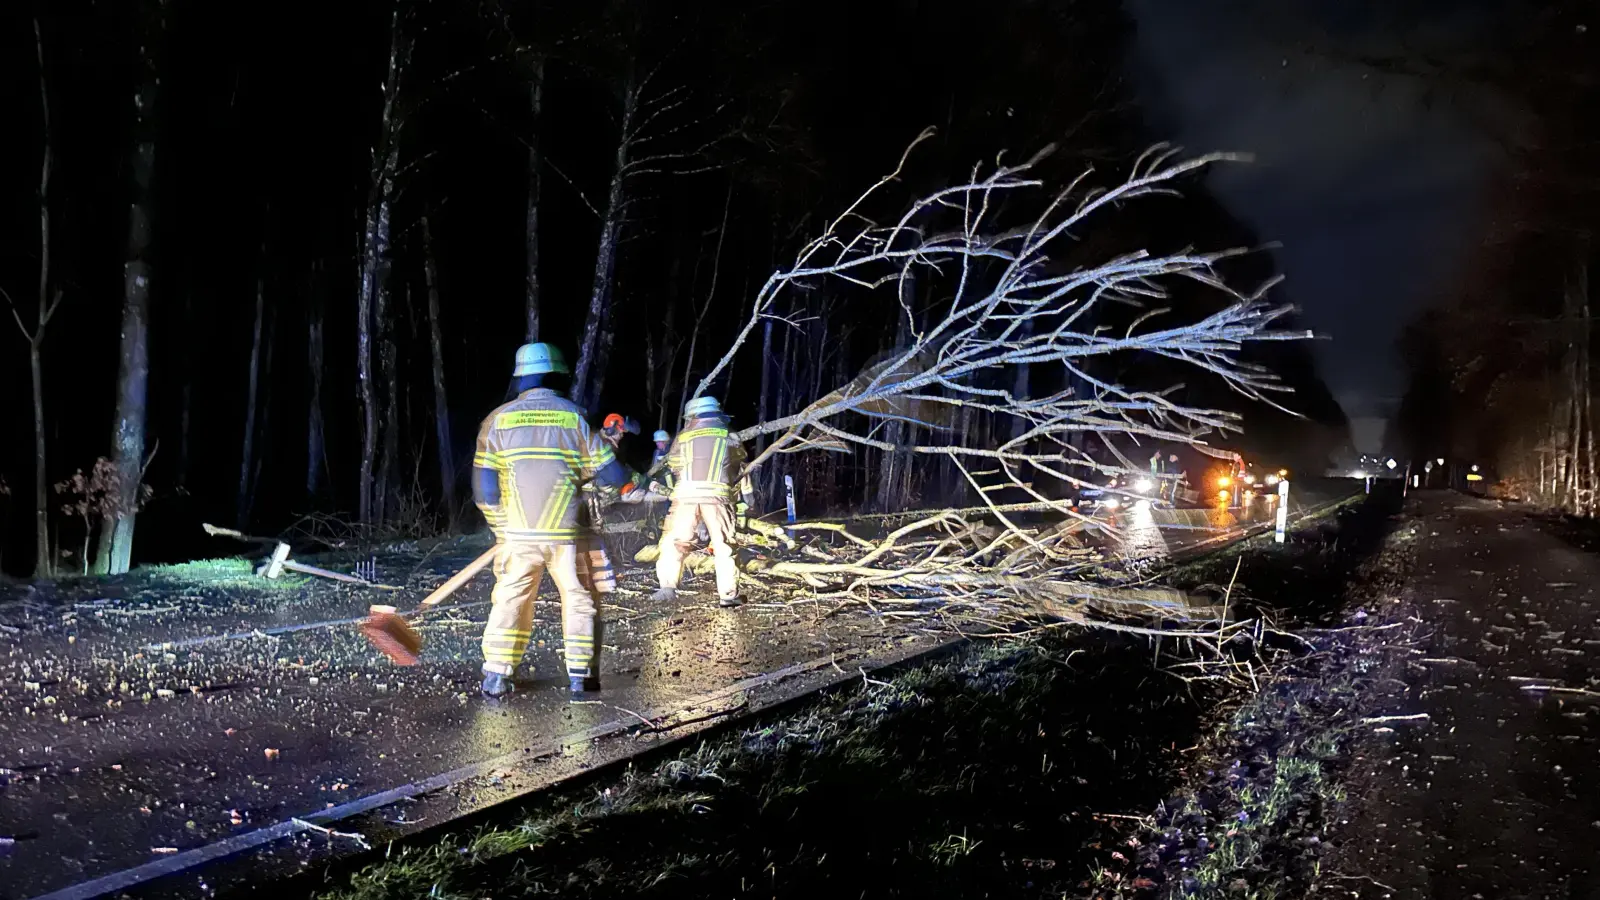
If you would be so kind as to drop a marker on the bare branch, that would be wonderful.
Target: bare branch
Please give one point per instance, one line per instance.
(1002, 279)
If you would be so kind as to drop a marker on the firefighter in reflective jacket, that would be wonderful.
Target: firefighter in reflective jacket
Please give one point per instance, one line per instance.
(705, 461)
(533, 456)
(659, 473)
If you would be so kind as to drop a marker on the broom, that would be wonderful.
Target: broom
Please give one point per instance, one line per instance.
(393, 636)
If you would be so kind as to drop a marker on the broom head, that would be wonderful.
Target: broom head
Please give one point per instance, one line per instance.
(392, 635)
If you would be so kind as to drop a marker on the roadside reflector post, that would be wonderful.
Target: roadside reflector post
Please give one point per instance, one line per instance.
(1283, 510)
(788, 495)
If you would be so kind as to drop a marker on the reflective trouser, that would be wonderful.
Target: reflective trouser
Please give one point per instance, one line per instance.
(518, 568)
(677, 539)
(594, 566)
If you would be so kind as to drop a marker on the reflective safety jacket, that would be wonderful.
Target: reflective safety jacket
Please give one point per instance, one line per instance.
(659, 467)
(540, 451)
(705, 461)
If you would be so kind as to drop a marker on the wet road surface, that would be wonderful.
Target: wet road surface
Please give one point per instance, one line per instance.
(1492, 789)
(172, 709)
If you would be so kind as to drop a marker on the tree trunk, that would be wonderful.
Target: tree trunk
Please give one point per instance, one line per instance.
(700, 314)
(133, 376)
(246, 459)
(1021, 387)
(763, 407)
(374, 256)
(44, 565)
(889, 475)
(536, 98)
(605, 262)
(388, 422)
(316, 454)
(441, 405)
(264, 418)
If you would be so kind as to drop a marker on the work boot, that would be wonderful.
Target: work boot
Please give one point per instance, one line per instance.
(729, 602)
(583, 685)
(665, 595)
(495, 684)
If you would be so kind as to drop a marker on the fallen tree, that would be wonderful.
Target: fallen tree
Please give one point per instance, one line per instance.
(1008, 305)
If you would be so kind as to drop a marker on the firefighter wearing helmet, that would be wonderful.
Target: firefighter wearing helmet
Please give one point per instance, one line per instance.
(706, 462)
(533, 456)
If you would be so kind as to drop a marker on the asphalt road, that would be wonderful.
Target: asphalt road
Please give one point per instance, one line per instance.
(1487, 782)
(152, 716)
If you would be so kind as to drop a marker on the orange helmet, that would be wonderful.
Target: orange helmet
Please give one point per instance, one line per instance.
(614, 420)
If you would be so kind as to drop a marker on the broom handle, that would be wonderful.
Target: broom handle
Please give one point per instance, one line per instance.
(460, 578)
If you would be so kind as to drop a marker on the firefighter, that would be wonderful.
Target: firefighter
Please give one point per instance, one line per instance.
(614, 427)
(659, 471)
(706, 461)
(533, 455)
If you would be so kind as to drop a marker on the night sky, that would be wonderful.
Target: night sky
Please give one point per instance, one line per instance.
(1370, 183)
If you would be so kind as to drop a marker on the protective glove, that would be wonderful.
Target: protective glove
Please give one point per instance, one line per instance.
(741, 509)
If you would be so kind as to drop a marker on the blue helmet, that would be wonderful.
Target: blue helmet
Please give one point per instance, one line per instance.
(539, 359)
(702, 406)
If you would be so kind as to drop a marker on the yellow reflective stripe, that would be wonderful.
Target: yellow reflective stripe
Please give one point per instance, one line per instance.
(719, 452)
(554, 453)
(600, 459)
(702, 432)
(486, 460)
(555, 508)
(511, 499)
(492, 633)
(536, 418)
(542, 535)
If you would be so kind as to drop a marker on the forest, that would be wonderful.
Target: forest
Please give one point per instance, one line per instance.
(1499, 362)
(269, 269)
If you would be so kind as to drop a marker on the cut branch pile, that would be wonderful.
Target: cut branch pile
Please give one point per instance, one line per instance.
(956, 569)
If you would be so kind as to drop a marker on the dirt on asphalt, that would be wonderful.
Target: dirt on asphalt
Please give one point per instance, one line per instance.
(1486, 783)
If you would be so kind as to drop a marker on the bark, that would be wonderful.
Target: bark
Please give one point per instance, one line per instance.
(43, 564)
(374, 257)
(605, 262)
(264, 418)
(133, 377)
(536, 101)
(247, 459)
(1020, 387)
(316, 455)
(889, 474)
(602, 358)
(441, 405)
(763, 408)
(389, 424)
